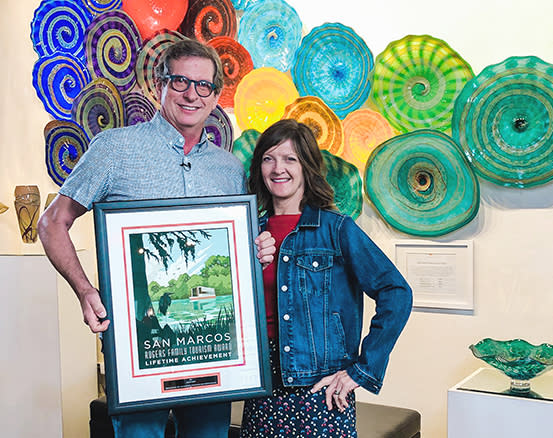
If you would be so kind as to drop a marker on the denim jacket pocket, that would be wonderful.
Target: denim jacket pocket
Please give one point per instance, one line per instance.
(315, 273)
(338, 340)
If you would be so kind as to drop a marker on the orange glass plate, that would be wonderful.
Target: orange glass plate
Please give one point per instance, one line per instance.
(364, 130)
(324, 123)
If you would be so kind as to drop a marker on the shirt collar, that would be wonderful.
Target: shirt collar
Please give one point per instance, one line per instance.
(173, 138)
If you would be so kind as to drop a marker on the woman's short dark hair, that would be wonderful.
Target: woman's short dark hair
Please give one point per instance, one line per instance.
(317, 191)
(189, 48)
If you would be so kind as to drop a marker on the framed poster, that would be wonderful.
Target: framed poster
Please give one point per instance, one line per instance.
(440, 274)
(184, 293)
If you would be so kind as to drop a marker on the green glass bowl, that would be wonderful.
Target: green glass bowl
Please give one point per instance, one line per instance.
(517, 358)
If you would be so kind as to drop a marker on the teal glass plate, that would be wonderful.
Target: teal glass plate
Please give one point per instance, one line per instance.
(503, 120)
(346, 182)
(415, 82)
(271, 33)
(243, 147)
(516, 358)
(334, 63)
(422, 184)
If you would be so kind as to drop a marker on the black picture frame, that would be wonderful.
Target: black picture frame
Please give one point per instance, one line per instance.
(184, 293)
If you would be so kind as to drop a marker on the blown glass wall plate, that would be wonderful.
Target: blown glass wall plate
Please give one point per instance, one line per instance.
(364, 130)
(503, 120)
(240, 4)
(219, 128)
(243, 148)
(98, 107)
(112, 44)
(271, 32)
(65, 144)
(261, 98)
(415, 82)
(326, 125)
(58, 79)
(517, 358)
(345, 180)
(152, 16)
(334, 63)
(59, 27)
(99, 6)
(422, 184)
(236, 62)
(137, 108)
(148, 56)
(207, 19)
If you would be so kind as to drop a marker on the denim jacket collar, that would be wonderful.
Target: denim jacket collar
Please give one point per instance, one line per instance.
(310, 217)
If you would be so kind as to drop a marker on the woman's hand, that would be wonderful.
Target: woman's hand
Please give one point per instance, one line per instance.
(339, 385)
(266, 248)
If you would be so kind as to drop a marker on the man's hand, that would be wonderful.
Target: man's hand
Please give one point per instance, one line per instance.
(339, 385)
(93, 311)
(265, 248)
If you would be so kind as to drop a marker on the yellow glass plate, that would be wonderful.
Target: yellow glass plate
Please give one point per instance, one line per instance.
(261, 98)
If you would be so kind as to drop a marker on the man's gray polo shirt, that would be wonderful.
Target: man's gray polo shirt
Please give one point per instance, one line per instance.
(145, 161)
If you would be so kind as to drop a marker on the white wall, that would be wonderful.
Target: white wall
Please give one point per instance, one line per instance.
(22, 120)
(511, 234)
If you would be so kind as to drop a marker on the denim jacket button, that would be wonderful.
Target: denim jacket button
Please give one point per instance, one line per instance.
(290, 379)
(284, 288)
(286, 348)
(315, 264)
(285, 258)
(286, 317)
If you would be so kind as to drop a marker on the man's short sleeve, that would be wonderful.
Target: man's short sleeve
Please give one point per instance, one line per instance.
(91, 178)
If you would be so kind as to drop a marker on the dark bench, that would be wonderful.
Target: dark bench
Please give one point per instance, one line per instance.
(373, 421)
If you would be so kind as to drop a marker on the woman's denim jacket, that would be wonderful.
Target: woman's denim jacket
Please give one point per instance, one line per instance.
(324, 266)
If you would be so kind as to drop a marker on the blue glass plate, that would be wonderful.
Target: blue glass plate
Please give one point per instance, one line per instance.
(59, 27)
(271, 32)
(503, 120)
(422, 184)
(334, 63)
(65, 143)
(58, 79)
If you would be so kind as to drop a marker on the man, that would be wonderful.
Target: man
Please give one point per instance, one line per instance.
(168, 157)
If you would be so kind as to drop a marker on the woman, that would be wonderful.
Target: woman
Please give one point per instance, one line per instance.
(314, 295)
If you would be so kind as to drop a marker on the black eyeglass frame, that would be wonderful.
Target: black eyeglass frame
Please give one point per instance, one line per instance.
(202, 82)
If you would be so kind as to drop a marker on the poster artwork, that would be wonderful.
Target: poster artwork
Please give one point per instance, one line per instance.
(183, 296)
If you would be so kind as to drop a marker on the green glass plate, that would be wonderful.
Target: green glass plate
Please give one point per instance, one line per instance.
(415, 82)
(503, 120)
(243, 147)
(517, 358)
(344, 178)
(422, 184)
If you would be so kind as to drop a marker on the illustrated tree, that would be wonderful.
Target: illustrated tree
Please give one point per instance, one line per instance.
(162, 244)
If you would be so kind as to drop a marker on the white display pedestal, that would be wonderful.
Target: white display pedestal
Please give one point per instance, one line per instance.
(478, 408)
(48, 356)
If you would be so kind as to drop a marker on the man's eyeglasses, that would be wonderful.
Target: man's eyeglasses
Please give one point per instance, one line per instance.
(182, 83)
